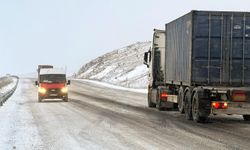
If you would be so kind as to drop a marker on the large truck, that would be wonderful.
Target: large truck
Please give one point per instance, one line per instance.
(52, 83)
(42, 67)
(200, 65)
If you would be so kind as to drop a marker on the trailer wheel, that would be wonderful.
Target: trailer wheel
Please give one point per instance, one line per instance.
(246, 117)
(150, 104)
(197, 117)
(181, 100)
(188, 105)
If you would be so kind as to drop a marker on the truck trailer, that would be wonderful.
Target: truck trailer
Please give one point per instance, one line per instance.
(52, 83)
(200, 65)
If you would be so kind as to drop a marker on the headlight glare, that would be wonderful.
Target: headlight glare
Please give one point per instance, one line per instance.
(42, 90)
(64, 90)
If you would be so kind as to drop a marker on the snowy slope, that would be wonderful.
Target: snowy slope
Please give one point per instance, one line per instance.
(123, 67)
(9, 86)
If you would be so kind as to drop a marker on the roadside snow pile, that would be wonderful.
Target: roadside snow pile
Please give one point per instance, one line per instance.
(122, 67)
(5, 81)
(7, 84)
(113, 86)
(28, 75)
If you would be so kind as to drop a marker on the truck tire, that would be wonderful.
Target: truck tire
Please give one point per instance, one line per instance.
(181, 100)
(158, 101)
(159, 105)
(150, 104)
(188, 105)
(246, 117)
(196, 109)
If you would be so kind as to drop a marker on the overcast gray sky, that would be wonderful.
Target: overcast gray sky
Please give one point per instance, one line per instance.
(72, 32)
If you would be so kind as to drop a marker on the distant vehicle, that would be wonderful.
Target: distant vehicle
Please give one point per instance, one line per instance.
(52, 83)
(200, 63)
(42, 67)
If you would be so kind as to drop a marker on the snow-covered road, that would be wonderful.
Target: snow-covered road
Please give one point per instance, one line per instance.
(97, 117)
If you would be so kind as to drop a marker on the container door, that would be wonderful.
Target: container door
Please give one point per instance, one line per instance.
(231, 56)
(225, 49)
(221, 48)
(236, 50)
(240, 50)
(210, 51)
(246, 51)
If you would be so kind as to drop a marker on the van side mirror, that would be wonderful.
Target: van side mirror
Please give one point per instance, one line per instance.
(36, 83)
(68, 83)
(146, 59)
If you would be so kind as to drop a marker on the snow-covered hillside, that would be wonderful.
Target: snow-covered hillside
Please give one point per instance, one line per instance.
(122, 67)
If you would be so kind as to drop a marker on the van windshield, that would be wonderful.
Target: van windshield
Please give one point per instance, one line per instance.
(53, 78)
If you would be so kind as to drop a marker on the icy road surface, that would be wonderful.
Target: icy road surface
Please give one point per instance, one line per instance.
(97, 117)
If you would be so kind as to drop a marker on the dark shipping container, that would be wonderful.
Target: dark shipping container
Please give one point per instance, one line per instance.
(209, 48)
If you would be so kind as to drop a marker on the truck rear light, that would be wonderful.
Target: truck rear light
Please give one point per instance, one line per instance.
(239, 96)
(216, 105)
(164, 96)
(224, 105)
(220, 105)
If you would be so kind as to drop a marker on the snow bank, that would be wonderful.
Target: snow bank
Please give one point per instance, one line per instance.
(113, 86)
(8, 87)
(5, 89)
(122, 67)
(103, 73)
(137, 71)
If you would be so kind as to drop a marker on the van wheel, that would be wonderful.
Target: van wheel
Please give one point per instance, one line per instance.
(65, 99)
(246, 117)
(188, 105)
(197, 115)
(180, 100)
(39, 99)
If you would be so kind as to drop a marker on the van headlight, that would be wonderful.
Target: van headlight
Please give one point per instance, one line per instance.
(64, 90)
(42, 90)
